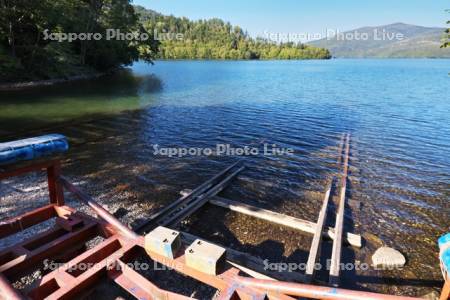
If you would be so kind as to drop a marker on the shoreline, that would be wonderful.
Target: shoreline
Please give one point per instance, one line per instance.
(14, 86)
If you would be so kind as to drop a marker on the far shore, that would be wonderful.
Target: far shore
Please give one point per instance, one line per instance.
(14, 86)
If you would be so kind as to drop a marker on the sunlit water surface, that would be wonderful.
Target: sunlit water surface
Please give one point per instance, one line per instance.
(397, 112)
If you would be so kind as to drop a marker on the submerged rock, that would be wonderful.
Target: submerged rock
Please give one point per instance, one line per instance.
(388, 258)
(372, 239)
(185, 192)
(434, 295)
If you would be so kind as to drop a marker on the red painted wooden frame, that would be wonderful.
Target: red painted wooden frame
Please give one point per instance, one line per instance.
(109, 258)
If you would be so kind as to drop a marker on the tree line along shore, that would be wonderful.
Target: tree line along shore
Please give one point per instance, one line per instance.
(28, 54)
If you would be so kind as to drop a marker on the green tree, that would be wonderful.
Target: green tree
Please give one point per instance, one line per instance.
(25, 51)
(216, 39)
(447, 37)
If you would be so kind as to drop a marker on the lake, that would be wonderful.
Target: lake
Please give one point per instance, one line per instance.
(397, 112)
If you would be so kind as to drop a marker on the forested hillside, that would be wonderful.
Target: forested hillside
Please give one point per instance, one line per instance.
(25, 54)
(216, 39)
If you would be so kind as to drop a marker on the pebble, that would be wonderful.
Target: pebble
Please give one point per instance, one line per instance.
(373, 239)
(434, 295)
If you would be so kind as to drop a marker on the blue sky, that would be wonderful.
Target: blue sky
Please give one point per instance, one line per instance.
(307, 16)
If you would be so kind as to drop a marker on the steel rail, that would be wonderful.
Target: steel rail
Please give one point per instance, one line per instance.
(339, 226)
(155, 218)
(315, 245)
(313, 291)
(200, 201)
(99, 210)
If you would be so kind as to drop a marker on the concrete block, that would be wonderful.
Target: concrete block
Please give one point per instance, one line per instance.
(205, 257)
(163, 241)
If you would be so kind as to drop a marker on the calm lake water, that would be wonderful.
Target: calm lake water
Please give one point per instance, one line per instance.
(397, 112)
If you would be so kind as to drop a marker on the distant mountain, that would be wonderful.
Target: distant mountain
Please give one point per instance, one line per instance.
(390, 41)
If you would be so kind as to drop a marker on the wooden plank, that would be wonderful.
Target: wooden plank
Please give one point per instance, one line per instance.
(155, 218)
(47, 250)
(339, 226)
(251, 262)
(22, 222)
(26, 167)
(139, 286)
(77, 282)
(200, 201)
(315, 245)
(250, 272)
(284, 220)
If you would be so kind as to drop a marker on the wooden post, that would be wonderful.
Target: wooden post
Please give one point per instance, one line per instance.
(339, 226)
(54, 186)
(315, 245)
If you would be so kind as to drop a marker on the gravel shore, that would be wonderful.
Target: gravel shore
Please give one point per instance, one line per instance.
(118, 171)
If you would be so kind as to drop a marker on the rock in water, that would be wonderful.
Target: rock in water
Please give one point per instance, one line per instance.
(434, 295)
(372, 239)
(185, 192)
(388, 258)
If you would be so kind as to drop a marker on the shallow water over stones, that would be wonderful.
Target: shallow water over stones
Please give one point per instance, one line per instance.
(396, 111)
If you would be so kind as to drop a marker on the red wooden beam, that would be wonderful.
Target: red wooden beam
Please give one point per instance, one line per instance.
(98, 209)
(314, 292)
(44, 246)
(139, 286)
(16, 224)
(72, 280)
(7, 291)
(222, 282)
(445, 295)
(34, 167)
(55, 188)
